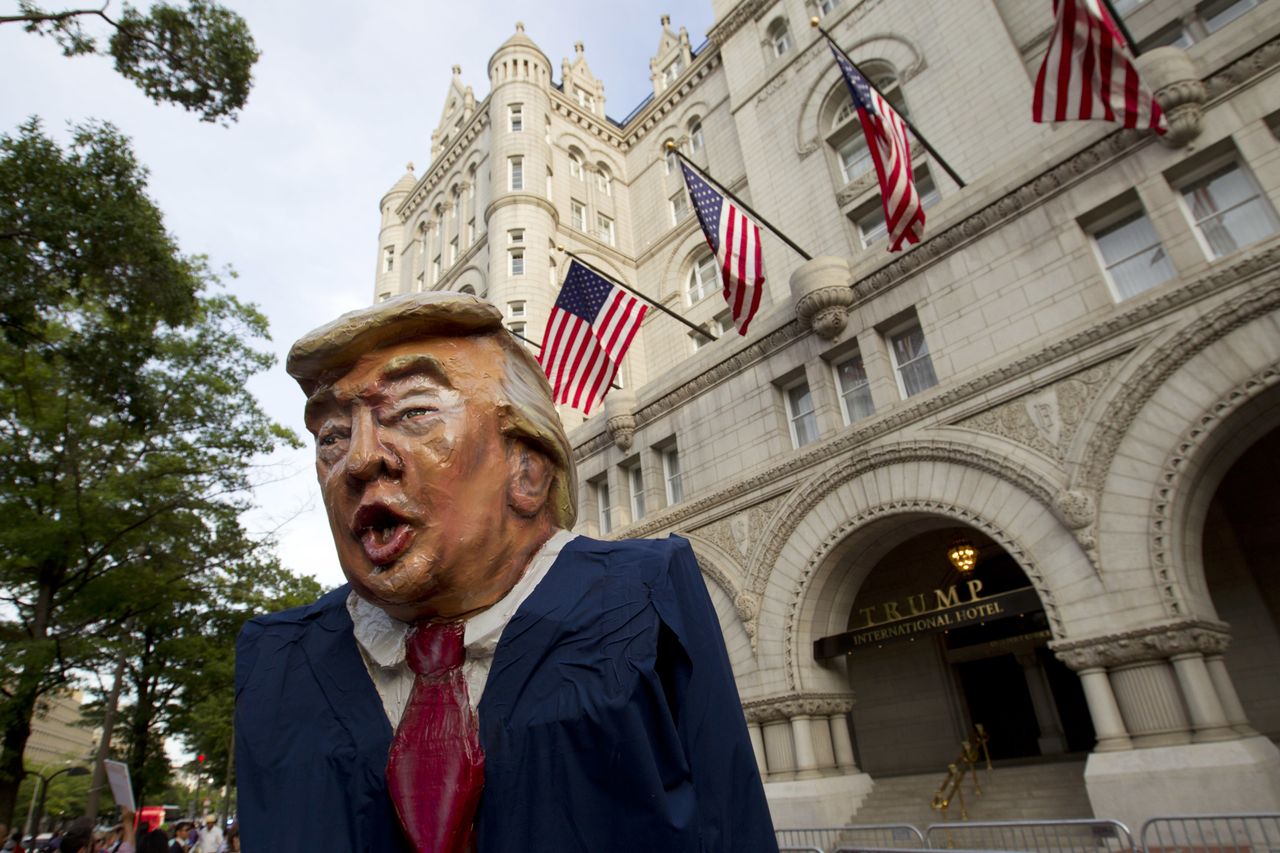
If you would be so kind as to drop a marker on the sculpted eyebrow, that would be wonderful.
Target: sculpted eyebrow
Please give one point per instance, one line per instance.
(416, 365)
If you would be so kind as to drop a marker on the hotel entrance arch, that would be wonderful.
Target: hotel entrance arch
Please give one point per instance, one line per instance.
(931, 651)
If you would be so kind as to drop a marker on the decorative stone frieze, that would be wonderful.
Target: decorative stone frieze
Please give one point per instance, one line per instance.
(1078, 512)
(1156, 642)
(820, 288)
(620, 418)
(778, 708)
(1172, 77)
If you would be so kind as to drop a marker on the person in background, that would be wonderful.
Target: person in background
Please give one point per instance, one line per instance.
(211, 836)
(232, 844)
(180, 833)
(80, 837)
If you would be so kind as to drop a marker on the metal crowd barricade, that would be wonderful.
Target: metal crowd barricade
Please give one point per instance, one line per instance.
(1236, 833)
(1043, 836)
(800, 850)
(857, 848)
(878, 836)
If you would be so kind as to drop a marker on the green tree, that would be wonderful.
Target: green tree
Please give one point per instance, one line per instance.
(126, 429)
(199, 57)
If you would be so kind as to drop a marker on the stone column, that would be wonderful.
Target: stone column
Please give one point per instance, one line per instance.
(1051, 740)
(779, 751)
(1227, 695)
(1108, 725)
(757, 747)
(1151, 703)
(1208, 719)
(842, 743)
(806, 760)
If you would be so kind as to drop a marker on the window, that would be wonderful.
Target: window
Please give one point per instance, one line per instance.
(716, 327)
(575, 164)
(1124, 7)
(604, 228)
(870, 220)
(704, 278)
(671, 476)
(855, 390)
(1174, 35)
(435, 269)
(825, 7)
(911, 362)
(854, 157)
(517, 173)
(453, 251)
(548, 183)
(779, 37)
(1216, 14)
(603, 508)
(546, 133)
(671, 164)
(1133, 256)
(586, 100)
(672, 72)
(388, 258)
(517, 329)
(517, 262)
(604, 179)
(635, 484)
(578, 214)
(553, 274)
(515, 310)
(384, 296)
(679, 207)
(471, 231)
(695, 137)
(800, 414)
(1228, 210)
(515, 237)
(846, 138)
(515, 113)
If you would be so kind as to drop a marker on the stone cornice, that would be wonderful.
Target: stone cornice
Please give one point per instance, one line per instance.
(596, 125)
(640, 126)
(778, 708)
(435, 174)
(508, 199)
(1153, 643)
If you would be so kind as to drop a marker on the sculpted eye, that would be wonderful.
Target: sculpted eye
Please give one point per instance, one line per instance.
(417, 412)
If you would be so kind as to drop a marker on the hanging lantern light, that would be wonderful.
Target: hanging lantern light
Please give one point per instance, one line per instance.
(962, 555)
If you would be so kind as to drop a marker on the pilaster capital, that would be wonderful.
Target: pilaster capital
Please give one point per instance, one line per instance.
(1151, 643)
(777, 708)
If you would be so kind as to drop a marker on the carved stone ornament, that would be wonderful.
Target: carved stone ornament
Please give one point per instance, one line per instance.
(1178, 89)
(1078, 511)
(1153, 643)
(820, 288)
(777, 708)
(620, 417)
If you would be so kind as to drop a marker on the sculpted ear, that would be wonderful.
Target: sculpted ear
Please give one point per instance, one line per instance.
(529, 483)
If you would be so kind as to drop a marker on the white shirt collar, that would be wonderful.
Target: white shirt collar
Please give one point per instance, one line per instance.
(382, 637)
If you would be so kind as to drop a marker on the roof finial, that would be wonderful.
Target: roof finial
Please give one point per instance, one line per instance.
(519, 26)
(577, 47)
(408, 167)
(457, 70)
(666, 20)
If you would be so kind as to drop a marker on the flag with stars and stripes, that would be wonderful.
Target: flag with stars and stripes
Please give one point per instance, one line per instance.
(1087, 72)
(591, 326)
(886, 135)
(735, 240)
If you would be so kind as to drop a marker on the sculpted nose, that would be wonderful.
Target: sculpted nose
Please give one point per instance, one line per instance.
(368, 456)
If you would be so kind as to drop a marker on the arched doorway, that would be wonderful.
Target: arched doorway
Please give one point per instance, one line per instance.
(931, 651)
(1239, 544)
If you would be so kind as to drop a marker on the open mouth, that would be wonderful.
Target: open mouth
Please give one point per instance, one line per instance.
(383, 533)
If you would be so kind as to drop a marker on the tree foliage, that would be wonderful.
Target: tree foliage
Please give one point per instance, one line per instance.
(126, 428)
(199, 57)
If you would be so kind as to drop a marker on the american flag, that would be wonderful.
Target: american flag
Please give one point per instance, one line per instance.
(591, 326)
(890, 148)
(1087, 72)
(735, 240)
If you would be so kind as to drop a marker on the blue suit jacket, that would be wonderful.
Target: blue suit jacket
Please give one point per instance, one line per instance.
(610, 721)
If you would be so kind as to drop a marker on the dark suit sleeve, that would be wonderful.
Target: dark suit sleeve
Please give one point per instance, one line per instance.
(698, 680)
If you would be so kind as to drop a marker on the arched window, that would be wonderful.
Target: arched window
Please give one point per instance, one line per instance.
(604, 179)
(704, 278)
(696, 140)
(779, 37)
(575, 163)
(846, 140)
(466, 288)
(671, 162)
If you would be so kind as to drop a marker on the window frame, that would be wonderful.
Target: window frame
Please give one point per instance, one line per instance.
(671, 459)
(897, 330)
(1210, 170)
(1122, 216)
(793, 417)
(604, 229)
(635, 492)
(844, 394)
(578, 215)
(516, 263)
(515, 174)
(679, 211)
(515, 118)
(388, 259)
(604, 508)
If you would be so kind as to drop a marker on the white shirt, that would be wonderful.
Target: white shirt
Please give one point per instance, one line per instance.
(210, 839)
(381, 638)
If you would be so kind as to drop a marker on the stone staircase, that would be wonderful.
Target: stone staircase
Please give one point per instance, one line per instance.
(1009, 792)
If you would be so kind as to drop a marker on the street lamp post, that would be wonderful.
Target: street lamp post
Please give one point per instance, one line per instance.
(34, 821)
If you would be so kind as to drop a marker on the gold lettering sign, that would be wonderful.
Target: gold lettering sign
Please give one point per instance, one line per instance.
(918, 604)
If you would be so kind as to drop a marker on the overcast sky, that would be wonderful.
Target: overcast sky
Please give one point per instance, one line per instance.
(288, 197)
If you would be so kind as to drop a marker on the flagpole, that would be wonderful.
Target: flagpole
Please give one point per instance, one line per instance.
(671, 146)
(1124, 30)
(813, 22)
(539, 346)
(631, 289)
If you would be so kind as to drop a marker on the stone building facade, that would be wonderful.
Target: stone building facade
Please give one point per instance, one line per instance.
(1077, 373)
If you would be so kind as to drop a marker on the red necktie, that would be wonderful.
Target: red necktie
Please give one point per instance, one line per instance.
(435, 771)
